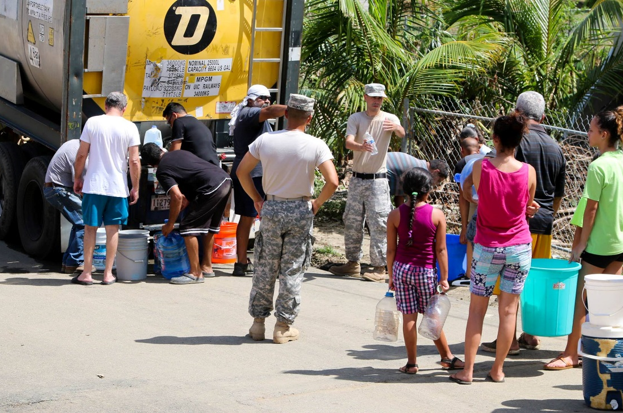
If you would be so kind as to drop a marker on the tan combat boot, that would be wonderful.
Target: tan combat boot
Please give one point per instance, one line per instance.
(350, 269)
(258, 330)
(284, 332)
(377, 274)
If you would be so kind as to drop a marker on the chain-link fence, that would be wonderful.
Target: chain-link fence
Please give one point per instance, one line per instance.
(435, 124)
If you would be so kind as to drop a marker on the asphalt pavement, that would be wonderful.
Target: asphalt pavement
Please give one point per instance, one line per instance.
(156, 347)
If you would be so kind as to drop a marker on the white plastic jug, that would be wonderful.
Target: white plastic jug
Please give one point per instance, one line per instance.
(388, 319)
(153, 135)
(435, 316)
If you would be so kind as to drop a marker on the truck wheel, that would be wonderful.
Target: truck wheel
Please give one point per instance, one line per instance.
(37, 220)
(11, 167)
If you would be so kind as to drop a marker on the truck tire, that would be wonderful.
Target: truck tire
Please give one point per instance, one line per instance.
(11, 167)
(37, 220)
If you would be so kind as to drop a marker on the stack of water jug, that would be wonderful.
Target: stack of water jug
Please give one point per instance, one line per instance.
(601, 346)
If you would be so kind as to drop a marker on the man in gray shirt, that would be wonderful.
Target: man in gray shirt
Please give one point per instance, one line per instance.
(58, 190)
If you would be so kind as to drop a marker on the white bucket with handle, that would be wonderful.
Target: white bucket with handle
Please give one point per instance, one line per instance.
(604, 293)
(132, 255)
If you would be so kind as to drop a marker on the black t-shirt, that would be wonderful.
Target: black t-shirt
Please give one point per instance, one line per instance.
(248, 128)
(193, 175)
(538, 149)
(196, 138)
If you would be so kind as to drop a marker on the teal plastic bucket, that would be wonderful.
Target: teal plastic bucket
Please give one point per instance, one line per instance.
(456, 256)
(548, 298)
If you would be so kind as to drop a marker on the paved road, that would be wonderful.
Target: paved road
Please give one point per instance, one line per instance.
(156, 347)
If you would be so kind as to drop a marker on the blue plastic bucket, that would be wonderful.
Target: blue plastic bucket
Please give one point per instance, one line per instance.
(456, 256)
(548, 298)
(602, 372)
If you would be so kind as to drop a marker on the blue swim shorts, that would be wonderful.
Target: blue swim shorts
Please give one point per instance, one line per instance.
(111, 210)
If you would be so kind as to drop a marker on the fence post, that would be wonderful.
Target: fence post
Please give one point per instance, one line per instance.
(406, 124)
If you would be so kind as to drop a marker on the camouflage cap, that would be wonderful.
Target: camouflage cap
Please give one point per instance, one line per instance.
(375, 90)
(301, 102)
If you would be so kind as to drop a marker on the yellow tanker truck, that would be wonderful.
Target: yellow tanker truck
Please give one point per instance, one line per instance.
(59, 59)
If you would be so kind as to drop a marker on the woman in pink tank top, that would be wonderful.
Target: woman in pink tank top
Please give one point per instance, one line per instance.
(503, 243)
(416, 240)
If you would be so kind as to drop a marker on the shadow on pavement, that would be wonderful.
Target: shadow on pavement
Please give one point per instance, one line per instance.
(572, 387)
(44, 282)
(202, 340)
(552, 405)
(394, 352)
(372, 375)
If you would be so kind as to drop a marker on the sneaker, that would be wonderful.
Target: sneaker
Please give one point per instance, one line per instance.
(351, 268)
(377, 274)
(491, 348)
(240, 270)
(284, 332)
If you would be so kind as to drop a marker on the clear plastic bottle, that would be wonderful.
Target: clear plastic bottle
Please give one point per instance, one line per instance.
(367, 138)
(435, 316)
(388, 319)
(153, 135)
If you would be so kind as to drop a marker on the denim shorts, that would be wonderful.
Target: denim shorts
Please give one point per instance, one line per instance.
(511, 264)
(111, 210)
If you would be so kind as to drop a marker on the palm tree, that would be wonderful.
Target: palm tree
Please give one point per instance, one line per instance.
(565, 53)
(401, 44)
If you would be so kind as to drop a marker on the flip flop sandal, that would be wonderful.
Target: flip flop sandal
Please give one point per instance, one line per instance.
(405, 369)
(75, 280)
(491, 379)
(459, 381)
(451, 364)
(185, 279)
(523, 343)
(566, 366)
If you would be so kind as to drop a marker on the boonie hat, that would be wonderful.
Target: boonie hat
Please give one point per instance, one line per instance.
(301, 102)
(375, 90)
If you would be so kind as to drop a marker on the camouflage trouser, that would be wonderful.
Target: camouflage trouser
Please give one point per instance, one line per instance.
(368, 200)
(283, 247)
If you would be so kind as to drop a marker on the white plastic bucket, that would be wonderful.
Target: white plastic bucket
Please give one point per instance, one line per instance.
(99, 254)
(604, 294)
(132, 255)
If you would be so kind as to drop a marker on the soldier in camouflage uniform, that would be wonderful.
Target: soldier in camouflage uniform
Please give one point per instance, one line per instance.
(368, 191)
(283, 243)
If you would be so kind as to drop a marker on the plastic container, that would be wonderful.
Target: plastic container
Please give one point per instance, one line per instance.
(99, 253)
(548, 297)
(367, 138)
(132, 255)
(601, 349)
(604, 293)
(456, 255)
(171, 255)
(435, 316)
(224, 251)
(153, 135)
(388, 320)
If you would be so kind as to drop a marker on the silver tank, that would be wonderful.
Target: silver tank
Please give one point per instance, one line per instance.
(41, 58)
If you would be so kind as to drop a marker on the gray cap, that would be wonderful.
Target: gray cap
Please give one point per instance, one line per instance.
(375, 90)
(301, 102)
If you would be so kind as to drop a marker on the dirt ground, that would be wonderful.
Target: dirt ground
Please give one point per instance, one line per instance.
(329, 250)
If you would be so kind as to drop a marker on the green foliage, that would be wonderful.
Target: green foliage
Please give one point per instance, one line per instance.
(327, 250)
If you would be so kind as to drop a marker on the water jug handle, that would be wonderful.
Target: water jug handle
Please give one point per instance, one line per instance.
(439, 289)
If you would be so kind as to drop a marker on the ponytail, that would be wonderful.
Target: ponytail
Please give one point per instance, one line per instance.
(618, 113)
(413, 197)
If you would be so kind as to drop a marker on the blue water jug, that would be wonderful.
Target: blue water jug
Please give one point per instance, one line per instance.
(171, 255)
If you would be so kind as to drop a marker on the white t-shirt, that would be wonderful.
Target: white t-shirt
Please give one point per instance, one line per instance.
(110, 138)
(358, 124)
(289, 159)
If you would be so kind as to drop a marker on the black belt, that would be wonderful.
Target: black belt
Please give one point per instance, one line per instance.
(370, 176)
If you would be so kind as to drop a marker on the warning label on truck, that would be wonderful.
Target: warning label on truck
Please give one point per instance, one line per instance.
(198, 86)
(225, 107)
(33, 56)
(41, 9)
(209, 66)
(164, 79)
